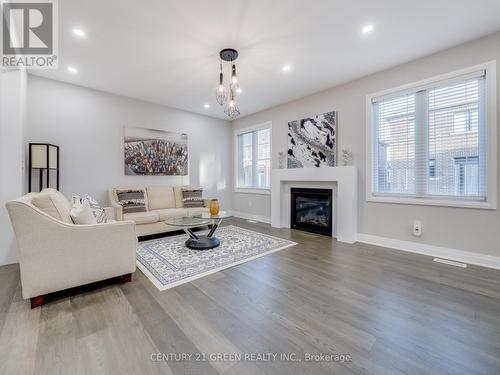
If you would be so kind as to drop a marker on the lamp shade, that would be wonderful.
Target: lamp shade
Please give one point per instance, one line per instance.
(39, 156)
(52, 157)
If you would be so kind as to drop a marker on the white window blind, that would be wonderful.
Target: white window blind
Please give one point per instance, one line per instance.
(254, 159)
(429, 142)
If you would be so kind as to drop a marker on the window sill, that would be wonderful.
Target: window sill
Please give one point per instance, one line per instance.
(433, 202)
(253, 191)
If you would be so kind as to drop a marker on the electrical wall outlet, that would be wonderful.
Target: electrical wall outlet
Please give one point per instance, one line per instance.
(417, 228)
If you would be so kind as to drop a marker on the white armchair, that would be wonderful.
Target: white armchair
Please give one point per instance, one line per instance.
(56, 255)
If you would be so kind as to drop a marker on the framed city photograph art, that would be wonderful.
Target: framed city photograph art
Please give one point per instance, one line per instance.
(152, 152)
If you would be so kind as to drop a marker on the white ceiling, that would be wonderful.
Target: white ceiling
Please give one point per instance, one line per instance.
(166, 51)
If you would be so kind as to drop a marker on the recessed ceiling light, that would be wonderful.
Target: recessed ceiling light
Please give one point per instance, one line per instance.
(79, 32)
(72, 69)
(206, 105)
(367, 29)
(239, 90)
(286, 68)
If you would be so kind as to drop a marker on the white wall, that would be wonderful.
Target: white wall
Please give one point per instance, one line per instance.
(465, 229)
(88, 126)
(12, 124)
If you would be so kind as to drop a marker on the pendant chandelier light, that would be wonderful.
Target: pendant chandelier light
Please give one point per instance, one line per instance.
(226, 95)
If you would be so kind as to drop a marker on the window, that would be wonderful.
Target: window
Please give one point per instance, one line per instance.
(432, 168)
(430, 142)
(465, 121)
(253, 157)
(396, 145)
(466, 175)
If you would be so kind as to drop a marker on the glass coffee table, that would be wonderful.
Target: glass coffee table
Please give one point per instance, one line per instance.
(198, 241)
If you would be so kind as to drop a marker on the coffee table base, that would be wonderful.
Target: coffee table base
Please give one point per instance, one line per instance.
(199, 242)
(202, 243)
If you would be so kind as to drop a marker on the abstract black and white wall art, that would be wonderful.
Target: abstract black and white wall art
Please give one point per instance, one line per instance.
(312, 141)
(155, 152)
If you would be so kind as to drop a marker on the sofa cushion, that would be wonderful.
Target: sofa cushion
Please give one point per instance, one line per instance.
(192, 198)
(132, 200)
(54, 204)
(160, 197)
(178, 194)
(192, 211)
(172, 212)
(146, 217)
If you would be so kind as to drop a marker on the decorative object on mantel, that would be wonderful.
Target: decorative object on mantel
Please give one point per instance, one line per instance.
(281, 160)
(214, 207)
(155, 152)
(227, 95)
(346, 156)
(312, 141)
(43, 157)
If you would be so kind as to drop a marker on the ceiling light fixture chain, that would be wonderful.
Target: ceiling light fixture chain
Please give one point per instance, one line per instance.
(227, 96)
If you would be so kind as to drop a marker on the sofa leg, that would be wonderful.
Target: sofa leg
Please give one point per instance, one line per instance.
(37, 301)
(126, 278)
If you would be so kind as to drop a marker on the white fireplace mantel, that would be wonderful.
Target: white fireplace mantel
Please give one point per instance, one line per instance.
(344, 183)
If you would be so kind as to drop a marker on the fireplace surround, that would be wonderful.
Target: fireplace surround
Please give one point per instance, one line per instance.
(311, 210)
(343, 180)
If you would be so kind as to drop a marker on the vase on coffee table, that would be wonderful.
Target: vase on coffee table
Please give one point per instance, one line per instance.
(214, 207)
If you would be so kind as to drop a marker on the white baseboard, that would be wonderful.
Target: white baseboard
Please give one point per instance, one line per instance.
(477, 259)
(244, 215)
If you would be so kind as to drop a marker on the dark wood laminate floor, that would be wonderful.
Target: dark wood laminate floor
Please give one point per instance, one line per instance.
(391, 312)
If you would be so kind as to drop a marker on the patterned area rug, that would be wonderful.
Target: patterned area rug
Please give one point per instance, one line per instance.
(167, 262)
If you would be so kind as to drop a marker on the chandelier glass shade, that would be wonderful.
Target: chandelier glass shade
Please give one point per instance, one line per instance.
(226, 94)
(232, 110)
(221, 92)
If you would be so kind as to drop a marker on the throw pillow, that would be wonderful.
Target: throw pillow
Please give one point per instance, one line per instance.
(75, 200)
(97, 210)
(82, 214)
(192, 198)
(132, 200)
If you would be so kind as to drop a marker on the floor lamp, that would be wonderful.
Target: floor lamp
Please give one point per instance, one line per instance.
(43, 157)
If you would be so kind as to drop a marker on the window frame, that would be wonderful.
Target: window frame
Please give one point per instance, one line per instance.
(236, 133)
(490, 141)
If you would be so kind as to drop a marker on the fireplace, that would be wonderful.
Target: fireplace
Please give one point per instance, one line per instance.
(311, 210)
